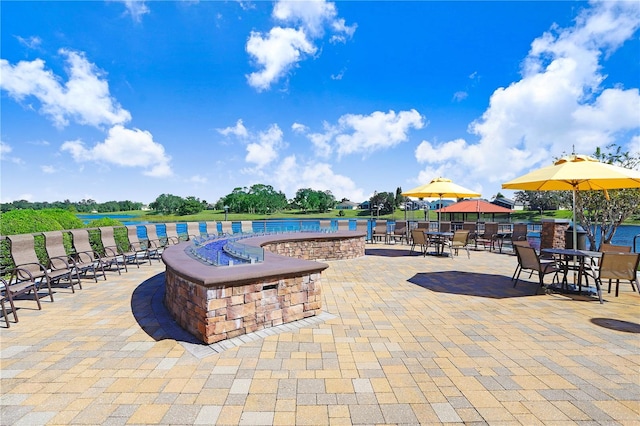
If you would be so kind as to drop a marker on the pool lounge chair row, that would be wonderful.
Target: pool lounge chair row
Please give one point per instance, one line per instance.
(66, 266)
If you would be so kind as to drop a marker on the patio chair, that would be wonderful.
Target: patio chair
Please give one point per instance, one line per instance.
(84, 254)
(612, 248)
(142, 250)
(528, 260)
(58, 256)
(459, 241)
(112, 250)
(526, 244)
(618, 266)
(400, 231)
(418, 238)
(444, 227)
(16, 287)
(519, 232)
(172, 234)
(23, 253)
(489, 236)
(379, 231)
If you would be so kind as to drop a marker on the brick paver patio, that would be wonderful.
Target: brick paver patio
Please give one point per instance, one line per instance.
(403, 340)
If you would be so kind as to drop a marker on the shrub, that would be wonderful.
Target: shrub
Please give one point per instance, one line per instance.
(27, 222)
(65, 218)
(119, 233)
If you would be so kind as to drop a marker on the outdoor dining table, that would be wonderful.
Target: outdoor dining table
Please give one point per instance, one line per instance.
(439, 239)
(581, 257)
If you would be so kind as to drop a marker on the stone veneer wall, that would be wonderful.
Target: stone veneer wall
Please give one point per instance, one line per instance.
(319, 249)
(219, 313)
(553, 233)
(215, 304)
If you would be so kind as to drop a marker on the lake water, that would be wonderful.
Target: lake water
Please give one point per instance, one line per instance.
(624, 236)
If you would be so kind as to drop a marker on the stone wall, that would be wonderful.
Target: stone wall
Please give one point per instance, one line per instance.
(218, 303)
(215, 314)
(553, 233)
(319, 249)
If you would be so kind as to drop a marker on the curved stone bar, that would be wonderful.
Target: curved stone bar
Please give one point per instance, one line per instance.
(217, 303)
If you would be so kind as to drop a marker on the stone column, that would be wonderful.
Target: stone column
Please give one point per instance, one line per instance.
(552, 234)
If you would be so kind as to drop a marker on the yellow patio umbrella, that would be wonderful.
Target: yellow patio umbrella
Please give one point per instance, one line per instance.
(576, 173)
(440, 187)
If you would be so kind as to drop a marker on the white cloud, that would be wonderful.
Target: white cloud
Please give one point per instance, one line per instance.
(48, 169)
(379, 130)
(460, 96)
(560, 101)
(238, 130)
(299, 128)
(5, 150)
(136, 8)
(276, 54)
(126, 148)
(32, 42)
(84, 98)
(265, 149)
(355, 133)
(198, 179)
(290, 175)
(280, 50)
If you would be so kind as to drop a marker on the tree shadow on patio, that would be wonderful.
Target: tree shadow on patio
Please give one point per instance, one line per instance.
(474, 284)
(386, 252)
(618, 325)
(147, 306)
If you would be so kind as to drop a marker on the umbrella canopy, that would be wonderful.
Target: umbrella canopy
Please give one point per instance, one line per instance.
(576, 173)
(440, 187)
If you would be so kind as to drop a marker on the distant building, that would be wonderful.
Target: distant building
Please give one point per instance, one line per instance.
(508, 203)
(364, 205)
(347, 205)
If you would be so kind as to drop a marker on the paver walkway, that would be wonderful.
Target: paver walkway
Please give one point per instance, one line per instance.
(404, 340)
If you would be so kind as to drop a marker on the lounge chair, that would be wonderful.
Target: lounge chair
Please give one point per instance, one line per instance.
(58, 256)
(172, 234)
(143, 250)
(85, 254)
(528, 260)
(158, 243)
(111, 249)
(23, 253)
(227, 227)
(246, 226)
(15, 287)
(193, 230)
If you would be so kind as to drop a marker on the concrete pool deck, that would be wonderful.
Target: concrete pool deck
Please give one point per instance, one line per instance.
(402, 340)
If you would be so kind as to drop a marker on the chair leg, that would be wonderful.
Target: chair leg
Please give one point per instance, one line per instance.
(513, 277)
(4, 312)
(517, 278)
(617, 286)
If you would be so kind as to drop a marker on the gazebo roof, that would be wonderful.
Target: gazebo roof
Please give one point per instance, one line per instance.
(474, 206)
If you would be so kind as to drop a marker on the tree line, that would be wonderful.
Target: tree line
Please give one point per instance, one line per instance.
(82, 206)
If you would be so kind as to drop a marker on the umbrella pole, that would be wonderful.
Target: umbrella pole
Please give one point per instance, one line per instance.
(575, 236)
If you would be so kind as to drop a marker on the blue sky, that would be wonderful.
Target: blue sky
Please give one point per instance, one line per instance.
(128, 100)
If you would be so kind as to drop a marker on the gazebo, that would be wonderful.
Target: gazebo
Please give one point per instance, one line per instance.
(475, 210)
